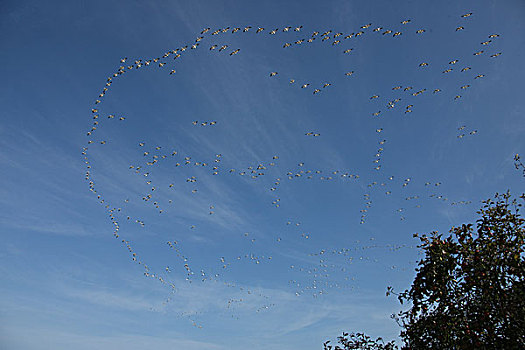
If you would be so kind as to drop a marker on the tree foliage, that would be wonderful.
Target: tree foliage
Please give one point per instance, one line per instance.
(359, 341)
(469, 289)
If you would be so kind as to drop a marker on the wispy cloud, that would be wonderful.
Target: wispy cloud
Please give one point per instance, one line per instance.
(40, 225)
(44, 337)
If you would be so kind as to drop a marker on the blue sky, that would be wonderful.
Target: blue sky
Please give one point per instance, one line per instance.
(288, 258)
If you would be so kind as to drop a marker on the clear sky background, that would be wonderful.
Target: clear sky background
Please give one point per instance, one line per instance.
(284, 257)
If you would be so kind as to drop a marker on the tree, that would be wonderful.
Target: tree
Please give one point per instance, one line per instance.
(469, 289)
(359, 341)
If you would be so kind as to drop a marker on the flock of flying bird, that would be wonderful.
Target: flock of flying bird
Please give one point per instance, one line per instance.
(154, 155)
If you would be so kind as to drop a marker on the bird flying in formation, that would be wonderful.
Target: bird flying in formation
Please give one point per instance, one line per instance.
(336, 38)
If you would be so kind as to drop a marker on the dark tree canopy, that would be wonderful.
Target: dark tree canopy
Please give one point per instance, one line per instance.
(359, 341)
(469, 289)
